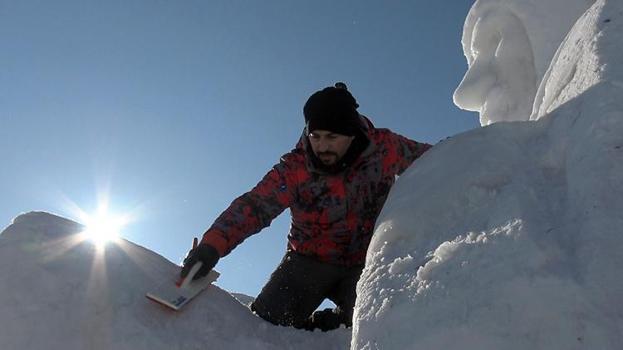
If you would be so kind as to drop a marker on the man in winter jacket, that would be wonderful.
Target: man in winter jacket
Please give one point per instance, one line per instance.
(335, 183)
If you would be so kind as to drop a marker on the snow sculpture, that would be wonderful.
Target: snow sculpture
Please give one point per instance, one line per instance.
(509, 236)
(508, 45)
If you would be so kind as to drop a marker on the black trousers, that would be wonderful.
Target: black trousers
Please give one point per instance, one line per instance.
(299, 285)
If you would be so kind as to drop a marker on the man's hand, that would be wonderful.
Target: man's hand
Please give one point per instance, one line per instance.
(204, 253)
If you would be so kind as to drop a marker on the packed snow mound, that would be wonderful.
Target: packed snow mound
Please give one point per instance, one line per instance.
(509, 236)
(589, 55)
(58, 291)
(509, 45)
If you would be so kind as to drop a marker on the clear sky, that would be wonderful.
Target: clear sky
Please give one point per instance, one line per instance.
(171, 109)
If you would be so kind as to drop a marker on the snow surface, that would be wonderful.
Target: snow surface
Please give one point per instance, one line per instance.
(58, 291)
(505, 237)
(509, 45)
(509, 236)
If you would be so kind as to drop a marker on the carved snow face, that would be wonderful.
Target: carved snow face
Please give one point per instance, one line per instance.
(501, 80)
(509, 45)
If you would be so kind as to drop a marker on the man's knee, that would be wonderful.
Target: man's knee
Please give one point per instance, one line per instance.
(278, 315)
(293, 292)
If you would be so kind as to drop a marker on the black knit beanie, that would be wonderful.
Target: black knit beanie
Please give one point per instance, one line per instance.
(333, 109)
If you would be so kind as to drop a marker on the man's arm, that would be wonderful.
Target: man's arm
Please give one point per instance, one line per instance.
(252, 211)
(405, 151)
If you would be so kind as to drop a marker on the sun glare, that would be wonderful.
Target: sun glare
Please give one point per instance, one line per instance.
(103, 227)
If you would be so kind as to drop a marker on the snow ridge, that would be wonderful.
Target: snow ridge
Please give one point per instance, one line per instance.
(62, 292)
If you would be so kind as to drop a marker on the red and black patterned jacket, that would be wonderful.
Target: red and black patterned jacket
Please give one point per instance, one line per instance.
(333, 215)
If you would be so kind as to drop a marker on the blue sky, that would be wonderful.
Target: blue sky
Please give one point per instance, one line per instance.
(172, 109)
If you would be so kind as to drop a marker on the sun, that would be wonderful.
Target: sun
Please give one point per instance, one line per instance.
(103, 226)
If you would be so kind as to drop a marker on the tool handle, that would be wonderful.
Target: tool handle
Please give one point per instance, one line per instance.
(184, 282)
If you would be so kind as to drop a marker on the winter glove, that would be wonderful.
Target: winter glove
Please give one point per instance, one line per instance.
(204, 253)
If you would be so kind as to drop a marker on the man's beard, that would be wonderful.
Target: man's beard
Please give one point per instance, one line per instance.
(359, 144)
(328, 158)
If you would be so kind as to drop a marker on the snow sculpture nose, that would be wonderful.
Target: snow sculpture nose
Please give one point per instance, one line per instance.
(478, 81)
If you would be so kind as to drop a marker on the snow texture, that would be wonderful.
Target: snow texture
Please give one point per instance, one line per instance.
(509, 45)
(509, 236)
(58, 291)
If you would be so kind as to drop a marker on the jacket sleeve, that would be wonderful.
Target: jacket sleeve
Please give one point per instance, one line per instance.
(404, 152)
(252, 211)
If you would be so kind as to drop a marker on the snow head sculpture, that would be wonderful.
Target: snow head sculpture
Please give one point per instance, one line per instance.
(519, 254)
(508, 45)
